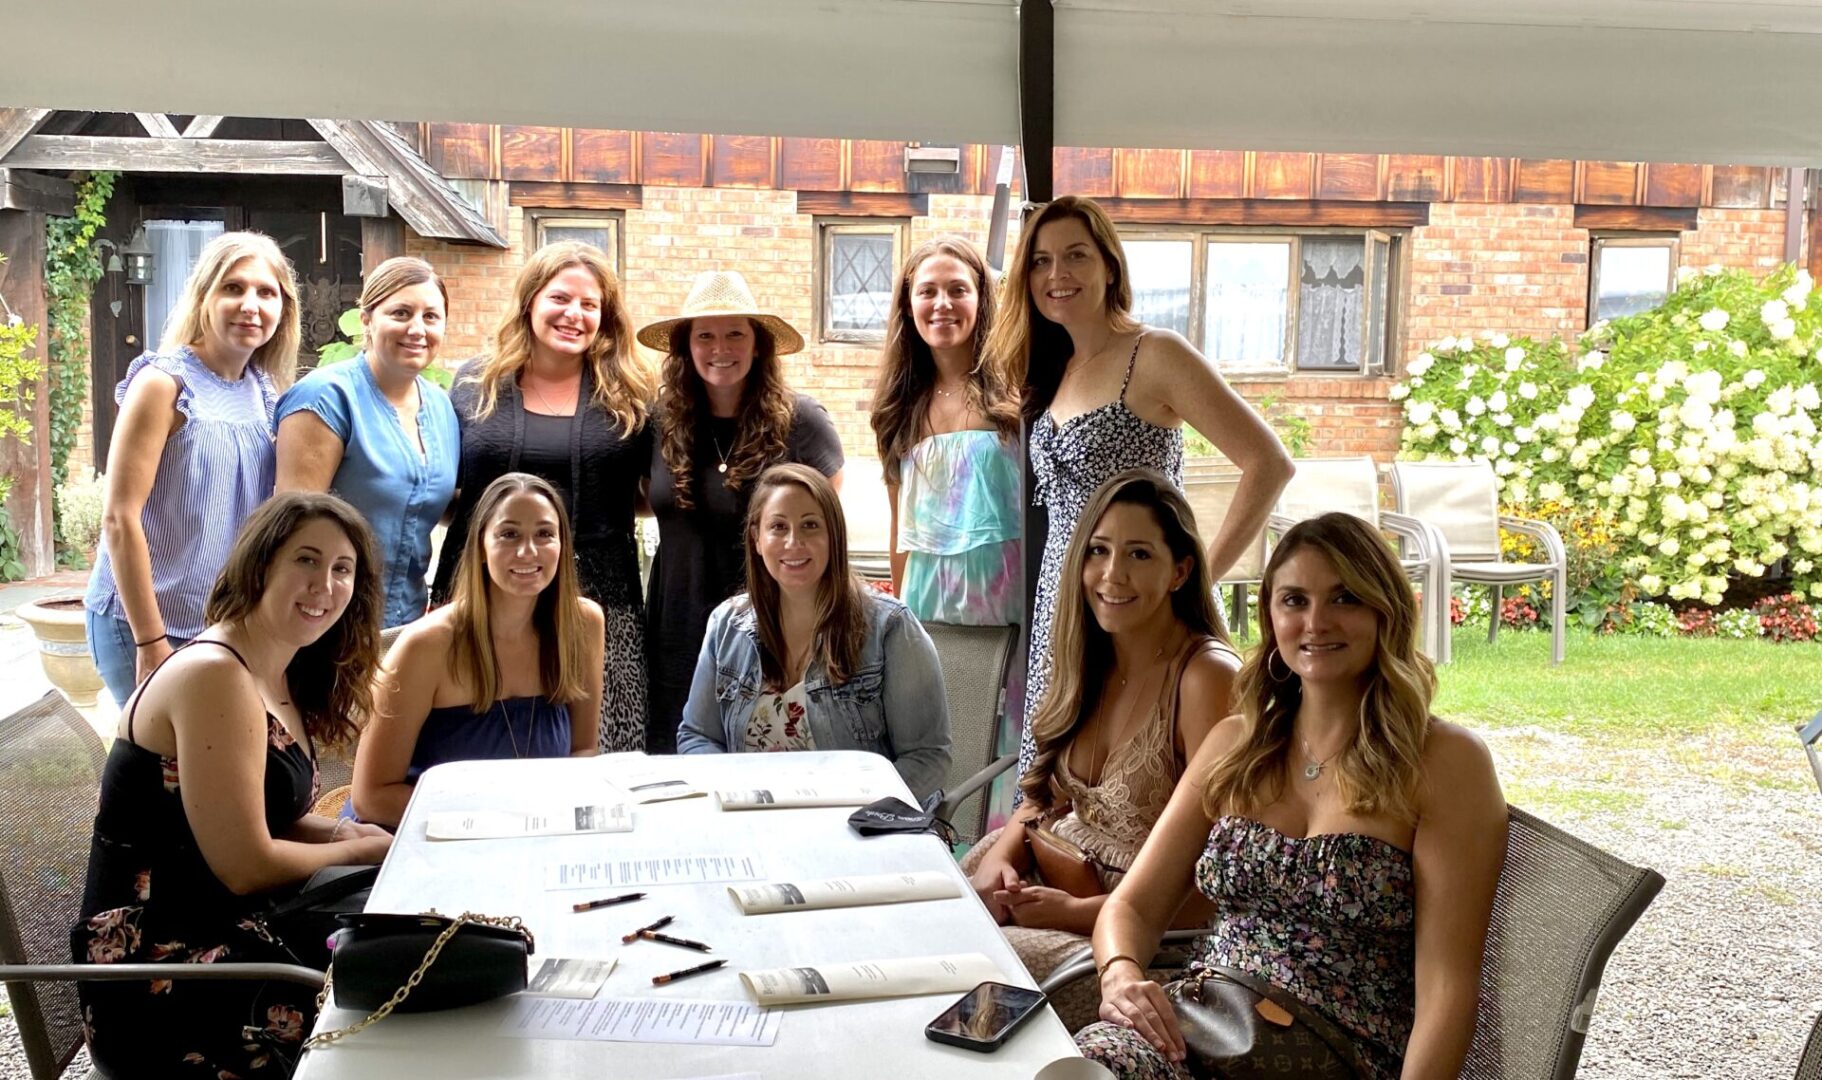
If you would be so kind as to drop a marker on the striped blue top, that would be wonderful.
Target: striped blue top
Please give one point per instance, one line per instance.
(400, 490)
(216, 468)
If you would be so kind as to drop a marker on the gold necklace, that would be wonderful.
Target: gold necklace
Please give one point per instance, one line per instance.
(723, 467)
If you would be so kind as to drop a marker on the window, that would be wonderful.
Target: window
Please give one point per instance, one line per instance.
(599, 229)
(1629, 275)
(1256, 303)
(858, 266)
(175, 246)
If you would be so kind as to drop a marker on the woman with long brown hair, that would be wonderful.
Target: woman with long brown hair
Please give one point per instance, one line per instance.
(947, 427)
(1144, 668)
(509, 668)
(725, 414)
(1348, 840)
(205, 799)
(562, 395)
(810, 658)
(1103, 393)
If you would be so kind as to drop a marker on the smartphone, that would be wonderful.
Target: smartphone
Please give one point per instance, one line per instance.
(985, 1016)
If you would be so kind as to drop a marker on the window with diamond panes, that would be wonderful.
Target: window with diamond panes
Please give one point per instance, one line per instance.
(602, 231)
(859, 265)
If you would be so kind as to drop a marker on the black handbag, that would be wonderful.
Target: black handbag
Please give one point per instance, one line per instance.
(1240, 1026)
(421, 963)
(303, 924)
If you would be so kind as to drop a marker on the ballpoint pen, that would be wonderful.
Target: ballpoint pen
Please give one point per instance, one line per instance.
(628, 939)
(686, 943)
(660, 980)
(624, 898)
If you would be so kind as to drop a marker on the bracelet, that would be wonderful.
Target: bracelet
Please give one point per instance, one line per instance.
(337, 831)
(1100, 970)
(150, 640)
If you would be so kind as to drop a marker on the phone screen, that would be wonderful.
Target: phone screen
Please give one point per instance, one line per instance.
(987, 1012)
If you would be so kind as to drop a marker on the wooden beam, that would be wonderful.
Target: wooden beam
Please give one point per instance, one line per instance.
(1636, 218)
(261, 156)
(1282, 212)
(201, 127)
(1815, 224)
(863, 203)
(28, 461)
(381, 239)
(22, 190)
(549, 196)
(16, 124)
(158, 125)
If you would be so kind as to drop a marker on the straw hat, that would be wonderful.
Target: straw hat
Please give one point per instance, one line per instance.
(721, 292)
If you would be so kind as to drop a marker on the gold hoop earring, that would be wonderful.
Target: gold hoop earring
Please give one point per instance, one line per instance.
(1272, 675)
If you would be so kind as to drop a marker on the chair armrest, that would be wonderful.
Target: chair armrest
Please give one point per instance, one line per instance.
(953, 799)
(1279, 524)
(1424, 538)
(291, 973)
(1081, 962)
(1545, 533)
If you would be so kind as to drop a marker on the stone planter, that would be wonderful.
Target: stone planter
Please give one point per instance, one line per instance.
(63, 647)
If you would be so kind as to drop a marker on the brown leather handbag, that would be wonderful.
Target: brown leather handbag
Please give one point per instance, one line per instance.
(1062, 864)
(1241, 1027)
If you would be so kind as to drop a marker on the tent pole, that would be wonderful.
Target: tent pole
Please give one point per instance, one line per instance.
(1037, 96)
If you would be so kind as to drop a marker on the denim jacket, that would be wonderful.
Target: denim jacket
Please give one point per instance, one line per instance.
(893, 704)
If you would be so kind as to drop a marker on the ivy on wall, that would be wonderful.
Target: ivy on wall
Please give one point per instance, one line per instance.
(71, 269)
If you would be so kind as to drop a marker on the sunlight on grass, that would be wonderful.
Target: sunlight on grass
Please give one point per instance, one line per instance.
(1542, 797)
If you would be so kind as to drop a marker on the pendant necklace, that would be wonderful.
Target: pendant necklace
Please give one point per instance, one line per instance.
(723, 467)
(1313, 768)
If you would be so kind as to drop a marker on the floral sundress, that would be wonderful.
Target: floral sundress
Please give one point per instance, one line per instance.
(150, 897)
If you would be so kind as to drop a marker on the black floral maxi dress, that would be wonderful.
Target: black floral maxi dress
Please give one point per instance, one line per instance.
(150, 897)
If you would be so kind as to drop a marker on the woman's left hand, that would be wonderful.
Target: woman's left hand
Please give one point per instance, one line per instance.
(349, 829)
(1040, 907)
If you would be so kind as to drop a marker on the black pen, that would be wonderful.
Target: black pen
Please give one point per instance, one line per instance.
(628, 939)
(624, 898)
(653, 935)
(660, 980)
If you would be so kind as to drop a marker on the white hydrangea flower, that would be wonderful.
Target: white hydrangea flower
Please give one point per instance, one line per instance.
(1503, 419)
(1640, 456)
(1783, 329)
(1670, 479)
(1701, 347)
(1798, 293)
(1686, 274)
(1808, 398)
(1523, 434)
(1753, 379)
(1622, 421)
(1457, 446)
(1802, 566)
(1476, 406)
(1670, 546)
(1651, 584)
(1737, 347)
(1781, 400)
(1399, 392)
(1551, 491)
(1422, 363)
(1528, 391)
(1420, 412)
(1498, 341)
(1581, 395)
(1714, 319)
(1772, 311)
(1490, 445)
(1451, 420)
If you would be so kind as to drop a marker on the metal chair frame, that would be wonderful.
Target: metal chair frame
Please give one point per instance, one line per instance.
(1811, 736)
(998, 658)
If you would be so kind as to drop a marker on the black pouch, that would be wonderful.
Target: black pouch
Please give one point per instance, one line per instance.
(890, 815)
(457, 962)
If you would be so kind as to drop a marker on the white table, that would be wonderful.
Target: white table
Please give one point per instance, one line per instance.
(506, 877)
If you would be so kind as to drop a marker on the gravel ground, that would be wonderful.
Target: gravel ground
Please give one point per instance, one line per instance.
(1722, 977)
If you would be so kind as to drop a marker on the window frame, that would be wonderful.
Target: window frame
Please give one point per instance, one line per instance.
(898, 228)
(540, 219)
(1597, 241)
(1395, 286)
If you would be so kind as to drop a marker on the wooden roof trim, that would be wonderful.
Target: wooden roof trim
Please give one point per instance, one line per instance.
(419, 193)
(16, 124)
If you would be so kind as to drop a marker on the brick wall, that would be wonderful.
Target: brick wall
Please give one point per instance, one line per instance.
(1751, 240)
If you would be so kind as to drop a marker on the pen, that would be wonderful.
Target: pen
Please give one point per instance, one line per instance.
(628, 939)
(624, 898)
(660, 980)
(653, 935)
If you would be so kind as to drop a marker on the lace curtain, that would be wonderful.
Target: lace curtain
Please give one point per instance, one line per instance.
(1330, 292)
(175, 246)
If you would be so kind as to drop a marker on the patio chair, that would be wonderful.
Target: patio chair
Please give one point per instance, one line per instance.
(1209, 491)
(1351, 485)
(1809, 1067)
(50, 772)
(975, 661)
(1460, 500)
(1811, 735)
(1561, 907)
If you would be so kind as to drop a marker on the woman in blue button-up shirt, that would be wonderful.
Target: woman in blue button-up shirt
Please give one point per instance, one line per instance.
(810, 658)
(378, 433)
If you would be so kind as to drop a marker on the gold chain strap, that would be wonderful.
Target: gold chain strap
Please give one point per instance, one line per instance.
(504, 922)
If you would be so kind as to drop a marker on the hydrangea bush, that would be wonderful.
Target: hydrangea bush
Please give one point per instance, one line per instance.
(1685, 436)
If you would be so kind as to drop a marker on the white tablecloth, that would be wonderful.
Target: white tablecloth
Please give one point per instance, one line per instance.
(883, 1039)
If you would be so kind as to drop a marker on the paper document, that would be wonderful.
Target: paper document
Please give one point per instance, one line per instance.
(494, 824)
(580, 979)
(651, 789)
(649, 1020)
(652, 870)
(785, 798)
(870, 979)
(856, 891)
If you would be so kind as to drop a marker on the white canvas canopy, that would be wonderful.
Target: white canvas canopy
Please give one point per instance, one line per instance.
(1729, 81)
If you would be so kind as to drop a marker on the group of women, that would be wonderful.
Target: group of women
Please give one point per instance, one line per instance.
(1310, 821)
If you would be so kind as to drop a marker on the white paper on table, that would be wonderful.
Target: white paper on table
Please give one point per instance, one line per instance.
(495, 824)
(856, 980)
(651, 788)
(652, 870)
(568, 978)
(854, 891)
(785, 797)
(647, 1020)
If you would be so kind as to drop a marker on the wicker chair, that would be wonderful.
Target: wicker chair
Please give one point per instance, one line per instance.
(1811, 734)
(1562, 906)
(1351, 485)
(975, 661)
(1810, 1066)
(50, 772)
(1460, 500)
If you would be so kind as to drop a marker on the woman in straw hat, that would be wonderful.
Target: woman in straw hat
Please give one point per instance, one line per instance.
(562, 395)
(724, 416)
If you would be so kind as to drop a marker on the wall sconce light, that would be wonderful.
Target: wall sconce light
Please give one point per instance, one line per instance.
(138, 258)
